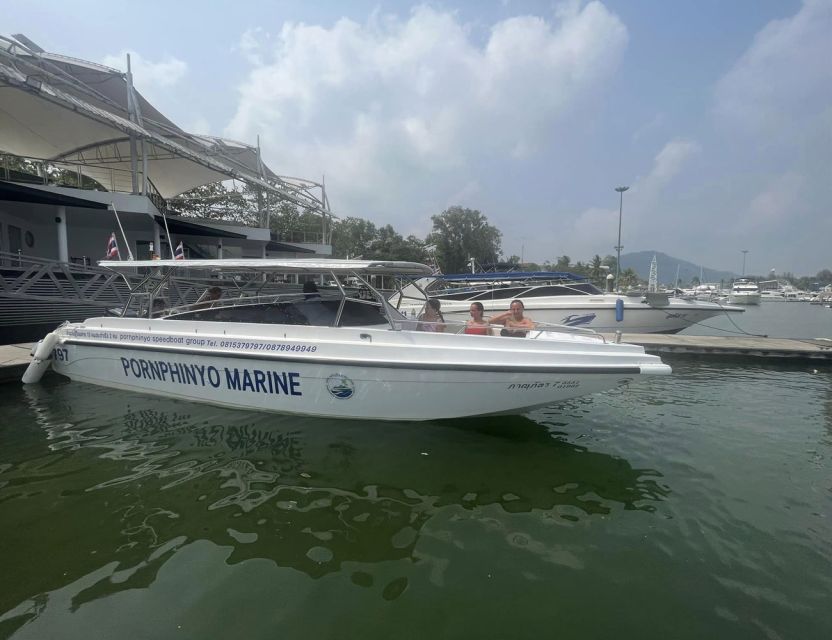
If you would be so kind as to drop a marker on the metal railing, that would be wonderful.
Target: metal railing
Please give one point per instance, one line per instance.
(75, 175)
(35, 278)
(307, 237)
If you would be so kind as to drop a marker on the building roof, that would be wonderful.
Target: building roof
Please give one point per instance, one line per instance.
(63, 109)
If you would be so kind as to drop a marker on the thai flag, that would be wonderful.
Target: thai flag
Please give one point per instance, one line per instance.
(112, 247)
(180, 252)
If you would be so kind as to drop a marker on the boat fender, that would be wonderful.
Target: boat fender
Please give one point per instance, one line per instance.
(619, 310)
(41, 359)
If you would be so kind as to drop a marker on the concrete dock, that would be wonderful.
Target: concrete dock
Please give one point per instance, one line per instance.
(14, 358)
(727, 347)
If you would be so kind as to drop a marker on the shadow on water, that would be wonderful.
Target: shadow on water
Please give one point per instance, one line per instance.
(130, 479)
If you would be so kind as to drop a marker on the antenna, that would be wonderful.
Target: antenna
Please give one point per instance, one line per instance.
(653, 281)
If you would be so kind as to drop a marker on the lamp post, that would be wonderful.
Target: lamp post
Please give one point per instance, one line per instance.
(618, 247)
(744, 251)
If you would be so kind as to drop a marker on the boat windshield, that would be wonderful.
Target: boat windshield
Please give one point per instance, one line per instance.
(218, 293)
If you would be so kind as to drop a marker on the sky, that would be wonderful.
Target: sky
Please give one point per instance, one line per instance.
(717, 115)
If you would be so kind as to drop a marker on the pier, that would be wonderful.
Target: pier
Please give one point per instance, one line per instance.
(14, 358)
(727, 347)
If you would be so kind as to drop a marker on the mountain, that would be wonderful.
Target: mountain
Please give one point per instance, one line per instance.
(666, 267)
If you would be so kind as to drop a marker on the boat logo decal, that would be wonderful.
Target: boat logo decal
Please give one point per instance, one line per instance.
(340, 386)
(577, 320)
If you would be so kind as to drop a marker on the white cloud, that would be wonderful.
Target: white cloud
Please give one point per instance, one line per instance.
(150, 78)
(784, 77)
(667, 164)
(778, 203)
(595, 230)
(399, 113)
(775, 110)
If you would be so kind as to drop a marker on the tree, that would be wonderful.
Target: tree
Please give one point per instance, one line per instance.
(389, 245)
(563, 263)
(628, 278)
(461, 234)
(352, 237)
(215, 201)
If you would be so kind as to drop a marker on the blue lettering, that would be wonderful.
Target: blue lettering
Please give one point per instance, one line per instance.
(232, 380)
(201, 371)
(259, 381)
(295, 383)
(143, 365)
(154, 370)
(213, 377)
(135, 368)
(247, 383)
(188, 376)
(280, 382)
(174, 371)
(163, 369)
(126, 364)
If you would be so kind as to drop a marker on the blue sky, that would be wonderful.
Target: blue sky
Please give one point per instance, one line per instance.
(718, 115)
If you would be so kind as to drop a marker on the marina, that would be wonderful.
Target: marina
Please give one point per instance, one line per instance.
(704, 493)
(232, 409)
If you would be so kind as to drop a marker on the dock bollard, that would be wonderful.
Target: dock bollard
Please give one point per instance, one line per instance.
(617, 337)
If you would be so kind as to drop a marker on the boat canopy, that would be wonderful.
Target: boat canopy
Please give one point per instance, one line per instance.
(302, 265)
(510, 276)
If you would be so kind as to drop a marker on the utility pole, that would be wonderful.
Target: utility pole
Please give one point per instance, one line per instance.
(618, 247)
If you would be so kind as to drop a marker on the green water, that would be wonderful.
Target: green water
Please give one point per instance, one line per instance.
(693, 506)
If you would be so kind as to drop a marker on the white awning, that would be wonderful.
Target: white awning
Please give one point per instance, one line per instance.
(63, 109)
(301, 265)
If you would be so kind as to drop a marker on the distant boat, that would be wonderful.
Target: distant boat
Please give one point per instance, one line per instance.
(744, 292)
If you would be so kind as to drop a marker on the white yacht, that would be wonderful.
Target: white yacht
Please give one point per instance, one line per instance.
(561, 298)
(331, 352)
(744, 292)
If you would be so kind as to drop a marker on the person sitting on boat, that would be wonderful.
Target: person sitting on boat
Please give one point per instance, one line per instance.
(516, 324)
(310, 290)
(477, 325)
(431, 318)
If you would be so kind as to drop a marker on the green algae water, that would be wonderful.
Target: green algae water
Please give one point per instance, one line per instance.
(697, 505)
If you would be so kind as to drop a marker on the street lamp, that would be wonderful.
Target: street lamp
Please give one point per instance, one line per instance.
(618, 247)
(744, 251)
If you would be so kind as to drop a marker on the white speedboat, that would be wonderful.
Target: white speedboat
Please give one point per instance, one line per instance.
(326, 353)
(560, 298)
(744, 292)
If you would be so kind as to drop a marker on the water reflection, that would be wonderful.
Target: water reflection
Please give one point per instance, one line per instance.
(134, 478)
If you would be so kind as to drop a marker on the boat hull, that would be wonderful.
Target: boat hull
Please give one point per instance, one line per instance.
(744, 298)
(599, 313)
(362, 377)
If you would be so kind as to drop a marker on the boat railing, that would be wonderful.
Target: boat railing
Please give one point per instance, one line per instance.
(458, 327)
(245, 299)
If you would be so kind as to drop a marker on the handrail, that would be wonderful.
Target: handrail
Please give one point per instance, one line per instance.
(76, 175)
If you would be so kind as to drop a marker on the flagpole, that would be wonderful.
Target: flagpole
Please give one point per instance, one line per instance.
(123, 235)
(167, 233)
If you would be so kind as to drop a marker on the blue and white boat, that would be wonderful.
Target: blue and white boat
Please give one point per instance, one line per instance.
(562, 298)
